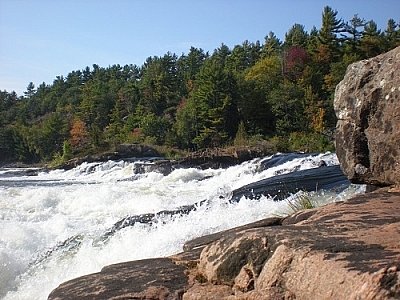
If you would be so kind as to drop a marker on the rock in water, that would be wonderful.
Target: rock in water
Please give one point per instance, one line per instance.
(367, 105)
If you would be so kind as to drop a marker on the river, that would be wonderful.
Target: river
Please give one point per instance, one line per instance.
(53, 224)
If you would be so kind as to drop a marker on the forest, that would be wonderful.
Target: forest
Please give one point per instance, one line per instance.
(275, 92)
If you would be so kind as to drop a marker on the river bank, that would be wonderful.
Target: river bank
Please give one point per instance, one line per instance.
(344, 250)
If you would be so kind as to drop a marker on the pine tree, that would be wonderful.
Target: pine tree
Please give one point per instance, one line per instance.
(241, 138)
(30, 90)
(371, 42)
(216, 104)
(327, 35)
(296, 37)
(272, 46)
(392, 35)
(352, 40)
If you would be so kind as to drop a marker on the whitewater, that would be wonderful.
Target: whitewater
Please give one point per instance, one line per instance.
(51, 224)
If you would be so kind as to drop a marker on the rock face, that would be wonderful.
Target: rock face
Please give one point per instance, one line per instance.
(367, 105)
(345, 250)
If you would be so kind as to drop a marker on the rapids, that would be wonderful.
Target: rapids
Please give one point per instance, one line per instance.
(52, 224)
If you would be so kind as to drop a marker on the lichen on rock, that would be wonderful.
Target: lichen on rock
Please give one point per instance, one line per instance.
(367, 105)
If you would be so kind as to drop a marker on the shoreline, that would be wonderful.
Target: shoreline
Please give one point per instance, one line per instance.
(331, 252)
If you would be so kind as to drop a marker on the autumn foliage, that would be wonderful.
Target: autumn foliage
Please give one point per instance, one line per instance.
(79, 135)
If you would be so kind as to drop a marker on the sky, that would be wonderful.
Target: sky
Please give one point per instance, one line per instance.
(43, 39)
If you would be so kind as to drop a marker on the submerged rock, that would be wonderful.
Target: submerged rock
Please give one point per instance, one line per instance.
(367, 105)
(281, 186)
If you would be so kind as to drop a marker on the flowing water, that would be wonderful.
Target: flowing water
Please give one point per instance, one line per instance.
(51, 224)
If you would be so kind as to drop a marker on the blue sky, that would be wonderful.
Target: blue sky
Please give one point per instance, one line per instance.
(42, 39)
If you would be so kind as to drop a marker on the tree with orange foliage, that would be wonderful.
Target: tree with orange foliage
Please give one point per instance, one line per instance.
(79, 135)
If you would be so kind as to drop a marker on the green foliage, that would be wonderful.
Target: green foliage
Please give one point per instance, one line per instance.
(30, 90)
(266, 73)
(288, 108)
(331, 27)
(58, 158)
(67, 151)
(296, 36)
(300, 201)
(170, 152)
(309, 142)
(154, 129)
(277, 95)
(214, 100)
(241, 138)
(272, 46)
(186, 126)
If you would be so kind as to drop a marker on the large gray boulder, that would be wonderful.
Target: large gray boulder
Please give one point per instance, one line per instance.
(367, 105)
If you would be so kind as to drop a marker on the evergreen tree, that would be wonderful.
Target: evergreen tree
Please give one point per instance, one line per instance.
(52, 135)
(159, 85)
(221, 54)
(216, 104)
(272, 46)
(67, 151)
(287, 104)
(188, 67)
(254, 52)
(30, 90)
(241, 138)
(371, 42)
(352, 40)
(238, 60)
(117, 115)
(187, 126)
(93, 109)
(312, 42)
(392, 35)
(296, 37)
(327, 36)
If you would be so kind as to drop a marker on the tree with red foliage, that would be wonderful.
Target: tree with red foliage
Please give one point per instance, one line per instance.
(295, 61)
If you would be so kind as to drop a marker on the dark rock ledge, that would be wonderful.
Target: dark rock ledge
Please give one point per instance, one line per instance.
(203, 159)
(345, 250)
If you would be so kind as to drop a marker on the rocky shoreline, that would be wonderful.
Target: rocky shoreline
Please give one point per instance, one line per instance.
(344, 250)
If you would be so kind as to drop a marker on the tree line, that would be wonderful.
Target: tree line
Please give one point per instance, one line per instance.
(280, 91)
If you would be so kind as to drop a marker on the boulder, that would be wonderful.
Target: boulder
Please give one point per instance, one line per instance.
(222, 262)
(367, 105)
(136, 150)
(143, 279)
